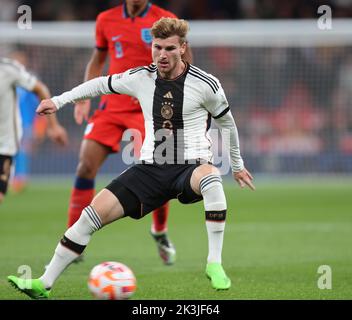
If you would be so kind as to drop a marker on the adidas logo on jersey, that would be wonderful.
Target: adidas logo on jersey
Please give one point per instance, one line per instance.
(168, 95)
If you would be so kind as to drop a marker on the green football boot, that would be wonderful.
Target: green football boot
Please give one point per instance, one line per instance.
(33, 288)
(219, 280)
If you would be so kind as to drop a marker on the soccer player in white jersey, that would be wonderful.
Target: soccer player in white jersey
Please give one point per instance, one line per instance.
(14, 74)
(177, 100)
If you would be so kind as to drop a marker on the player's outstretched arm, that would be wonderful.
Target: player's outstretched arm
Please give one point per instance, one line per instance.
(90, 89)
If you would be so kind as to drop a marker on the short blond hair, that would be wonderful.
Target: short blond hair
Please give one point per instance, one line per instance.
(168, 27)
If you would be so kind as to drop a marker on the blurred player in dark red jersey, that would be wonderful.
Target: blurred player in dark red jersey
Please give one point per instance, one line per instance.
(123, 34)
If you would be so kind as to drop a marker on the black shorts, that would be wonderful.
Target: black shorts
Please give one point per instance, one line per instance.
(5, 169)
(145, 187)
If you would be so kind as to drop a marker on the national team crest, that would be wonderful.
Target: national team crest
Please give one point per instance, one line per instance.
(146, 35)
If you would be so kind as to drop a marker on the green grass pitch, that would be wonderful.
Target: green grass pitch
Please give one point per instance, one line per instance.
(275, 240)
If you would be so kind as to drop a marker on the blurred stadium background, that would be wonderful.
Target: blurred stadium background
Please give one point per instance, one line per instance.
(288, 82)
(289, 85)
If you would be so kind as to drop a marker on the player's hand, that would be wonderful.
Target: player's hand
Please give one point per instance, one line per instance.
(244, 178)
(58, 134)
(46, 107)
(81, 111)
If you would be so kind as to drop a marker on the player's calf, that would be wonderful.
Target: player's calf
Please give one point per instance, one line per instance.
(72, 245)
(210, 186)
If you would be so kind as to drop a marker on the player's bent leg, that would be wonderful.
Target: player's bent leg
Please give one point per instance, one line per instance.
(108, 206)
(206, 180)
(92, 156)
(199, 173)
(166, 249)
(104, 209)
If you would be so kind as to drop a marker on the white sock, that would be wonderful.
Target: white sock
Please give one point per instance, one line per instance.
(215, 240)
(59, 262)
(215, 213)
(72, 245)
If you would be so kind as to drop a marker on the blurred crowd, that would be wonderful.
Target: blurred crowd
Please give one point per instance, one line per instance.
(291, 104)
(44, 10)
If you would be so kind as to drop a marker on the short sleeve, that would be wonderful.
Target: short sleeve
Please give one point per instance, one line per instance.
(100, 40)
(215, 101)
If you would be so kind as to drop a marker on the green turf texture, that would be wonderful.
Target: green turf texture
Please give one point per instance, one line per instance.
(275, 240)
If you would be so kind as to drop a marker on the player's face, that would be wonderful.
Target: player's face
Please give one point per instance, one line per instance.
(167, 55)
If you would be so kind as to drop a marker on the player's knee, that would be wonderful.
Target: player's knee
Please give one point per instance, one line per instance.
(131, 205)
(86, 169)
(2, 196)
(213, 194)
(210, 181)
(201, 172)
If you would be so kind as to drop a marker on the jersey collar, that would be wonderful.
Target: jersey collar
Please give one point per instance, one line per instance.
(142, 14)
(183, 74)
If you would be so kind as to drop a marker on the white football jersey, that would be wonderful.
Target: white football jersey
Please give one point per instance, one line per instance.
(12, 74)
(177, 112)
